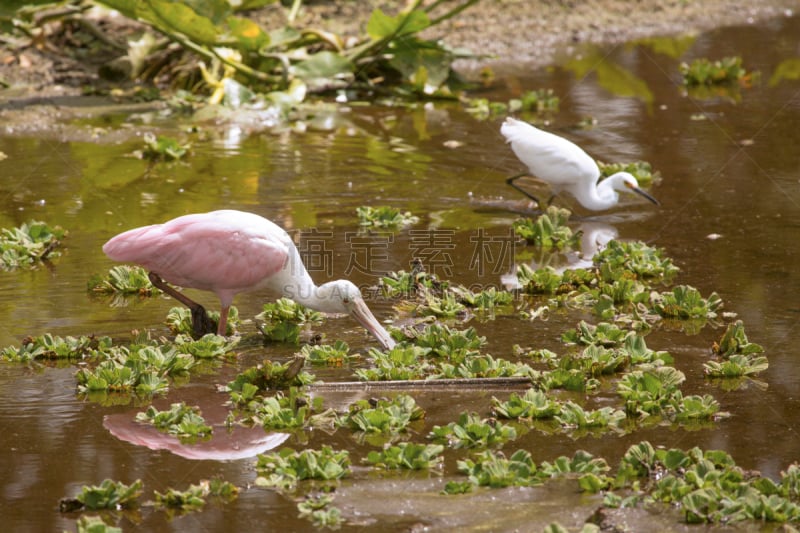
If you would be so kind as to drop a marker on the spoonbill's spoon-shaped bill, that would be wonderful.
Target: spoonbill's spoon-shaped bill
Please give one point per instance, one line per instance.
(565, 167)
(227, 252)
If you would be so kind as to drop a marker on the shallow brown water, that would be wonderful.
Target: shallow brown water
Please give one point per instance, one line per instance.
(730, 166)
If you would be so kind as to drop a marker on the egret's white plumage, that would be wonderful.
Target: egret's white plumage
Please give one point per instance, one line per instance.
(228, 252)
(566, 167)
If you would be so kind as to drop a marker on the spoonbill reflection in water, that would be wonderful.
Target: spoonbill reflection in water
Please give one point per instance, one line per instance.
(227, 252)
(566, 167)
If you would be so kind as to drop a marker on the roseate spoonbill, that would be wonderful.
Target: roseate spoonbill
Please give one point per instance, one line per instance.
(566, 167)
(228, 252)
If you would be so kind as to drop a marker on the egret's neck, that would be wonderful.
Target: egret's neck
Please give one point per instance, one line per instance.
(598, 196)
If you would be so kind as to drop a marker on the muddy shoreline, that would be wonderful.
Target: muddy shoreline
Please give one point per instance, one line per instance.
(507, 34)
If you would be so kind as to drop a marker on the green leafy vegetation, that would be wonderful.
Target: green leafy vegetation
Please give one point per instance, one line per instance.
(124, 279)
(536, 102)
(108, 495)
(383, 416)
(549, 230)
(284, 319)
(179, 320)
(471, 431)
(30, 243)
(318, 509)
(286, 468)
(161, 148)
(334, 354)
(641, 170)
(384, 217)
(407, 455)
(180, 420)
(267, 376)
(195, 496)
(702, 71)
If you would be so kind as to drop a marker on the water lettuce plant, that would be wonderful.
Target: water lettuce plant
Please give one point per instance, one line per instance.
(382, 415)
(492, 469)
(685, 302)
(179, 320)
(384, 217)
(123, 279)
(472, 431)
(641, 170)
(334, 354)
(267, 376)
(108, 495)
(29, 243)
(623, 259)
(726, 71)
(180, 420)
(407, 455)
(195, 496)
(549, 230)
(407, 284)
(162, 148)
(318, 509)
(286, 468)
(734, 341)
(532, 405)
(535, 101)
(50, 347)
(284, 319)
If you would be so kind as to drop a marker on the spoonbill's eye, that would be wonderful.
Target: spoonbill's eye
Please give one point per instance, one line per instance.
(346, 300)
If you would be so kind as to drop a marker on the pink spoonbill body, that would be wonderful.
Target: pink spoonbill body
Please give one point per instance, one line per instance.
(227, 252)
(565, 167)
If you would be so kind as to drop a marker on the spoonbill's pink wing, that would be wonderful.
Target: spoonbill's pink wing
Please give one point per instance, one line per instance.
(221, 251)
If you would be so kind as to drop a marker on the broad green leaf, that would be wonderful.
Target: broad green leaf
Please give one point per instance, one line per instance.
(382, 26)
(185, 20)
(323, 65)
(248, 34)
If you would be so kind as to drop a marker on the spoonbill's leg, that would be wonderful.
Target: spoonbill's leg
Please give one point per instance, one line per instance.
(223, 320)
(201, 323)
(511, 181)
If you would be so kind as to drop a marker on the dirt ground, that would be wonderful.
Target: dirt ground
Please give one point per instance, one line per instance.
(506, 33)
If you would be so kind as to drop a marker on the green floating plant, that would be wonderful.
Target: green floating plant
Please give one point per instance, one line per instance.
(547, 281)
(335, 354)
(448, 305)
(641, 170)
(726, 71)
(179, 320)
(94, 524)
(685, 302)
(623, 259)
(537, 101)
(318, 509)
(284, 319)
(532, 405)
(493, 469)
(602, 334)
(734, 341)
(29, 244)
(736, 366)
(447, 343)
(549, 230)
(484, 366)
(573, 416)
(406, 284)
(162, 148)
(407, 455)
(267, 376)
(384, 217)
(708, 486)
(124, 279)
(108, 495)
(49, 347)
(471, 431)
(400, 363)
(195, 496)
(285, 468)
(383, 416)
(488, 300)
(651, 391)
(180, 420)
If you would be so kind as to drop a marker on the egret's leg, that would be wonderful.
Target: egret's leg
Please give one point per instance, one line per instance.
(201, 323)
(511, 181)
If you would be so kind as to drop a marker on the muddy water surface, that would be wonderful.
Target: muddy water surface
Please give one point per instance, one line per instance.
(730, 170)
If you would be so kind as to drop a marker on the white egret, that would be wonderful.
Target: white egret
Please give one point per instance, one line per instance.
(566, 167)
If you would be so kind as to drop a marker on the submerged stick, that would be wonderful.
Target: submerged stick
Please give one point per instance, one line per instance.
(466, 383)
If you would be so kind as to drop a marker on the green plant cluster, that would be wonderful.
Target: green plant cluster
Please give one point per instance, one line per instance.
(549, 231)
(384, 217)
(28, 244)
(285, 468)
(383, 415)
(641, 170)
(284, 319)
(122, 280)
(535, 102)
(181, 420)
(702, 71)
(195, 496)
(179, 320)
